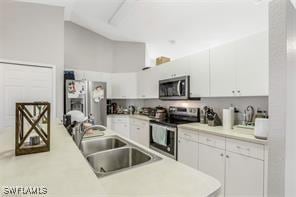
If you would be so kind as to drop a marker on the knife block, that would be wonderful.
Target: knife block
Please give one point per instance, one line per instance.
(32, 118)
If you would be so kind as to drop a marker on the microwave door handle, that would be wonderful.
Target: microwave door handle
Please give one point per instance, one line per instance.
(179, 88)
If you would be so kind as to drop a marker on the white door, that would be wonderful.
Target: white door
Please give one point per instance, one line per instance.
(188, 152)
(199, 71)
(244, 176)
(252, 65)
(223, 70)
(23, 84)
(212, 162)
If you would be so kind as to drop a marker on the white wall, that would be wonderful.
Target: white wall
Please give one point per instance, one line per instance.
(290, 179)
(128, 56)
(282, 106)
(86, 50)
(34, 33)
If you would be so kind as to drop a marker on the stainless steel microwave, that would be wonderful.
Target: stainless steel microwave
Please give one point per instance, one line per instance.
(174, 88)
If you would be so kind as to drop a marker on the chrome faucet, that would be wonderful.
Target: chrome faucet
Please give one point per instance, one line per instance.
(79, 131)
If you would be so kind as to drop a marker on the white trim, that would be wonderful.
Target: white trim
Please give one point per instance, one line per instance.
(34, 64)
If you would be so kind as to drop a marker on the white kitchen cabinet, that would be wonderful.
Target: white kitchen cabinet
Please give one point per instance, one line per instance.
(148, 83)
(188, 148)
(199, 72)
(252, 65)
(124, 85)
(223, 69)
(240, 68)
(139, 131)
(244, 176)
(212, 162)
(121, 125)
(176, 68)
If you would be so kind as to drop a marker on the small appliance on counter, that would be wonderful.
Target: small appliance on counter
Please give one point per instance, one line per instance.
(164, 132)
(261, 128)
(213, 118)
(161, 113)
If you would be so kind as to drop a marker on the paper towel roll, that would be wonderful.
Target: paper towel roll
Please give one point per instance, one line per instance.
(227, 119)
(232, 115)
(261, 128)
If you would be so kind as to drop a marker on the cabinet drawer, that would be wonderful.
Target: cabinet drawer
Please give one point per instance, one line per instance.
(120, 120)
(212, 140)
(245, 148)
(188, 134)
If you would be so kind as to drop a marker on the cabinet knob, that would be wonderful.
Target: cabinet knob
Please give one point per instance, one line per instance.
(227, 156)
(233, 91)
(221, 154)
(238, 91)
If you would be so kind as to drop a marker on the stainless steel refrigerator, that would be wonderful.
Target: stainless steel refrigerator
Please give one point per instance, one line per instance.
(89, 97)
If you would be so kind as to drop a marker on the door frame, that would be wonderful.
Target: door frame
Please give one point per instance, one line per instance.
(42, 65)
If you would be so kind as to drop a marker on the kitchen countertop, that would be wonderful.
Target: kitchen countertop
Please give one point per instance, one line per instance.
(65, 172)
(235, 133)
(136, 116)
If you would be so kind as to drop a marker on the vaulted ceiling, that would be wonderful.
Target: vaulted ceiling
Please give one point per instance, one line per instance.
(171, 28)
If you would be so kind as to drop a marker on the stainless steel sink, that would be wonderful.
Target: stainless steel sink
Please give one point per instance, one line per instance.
(93, 145)
(116, 160)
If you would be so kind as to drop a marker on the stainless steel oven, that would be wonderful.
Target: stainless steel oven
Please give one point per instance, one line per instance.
(163, 139)
(174, 89)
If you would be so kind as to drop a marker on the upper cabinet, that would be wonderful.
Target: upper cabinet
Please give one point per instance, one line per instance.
(175, 68)
(240, 68)
(148, 83)
(199, 72)
(124, 85)
(252, 65)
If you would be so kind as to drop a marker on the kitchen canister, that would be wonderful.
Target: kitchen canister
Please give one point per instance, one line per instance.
(261, 128)
(227, 119)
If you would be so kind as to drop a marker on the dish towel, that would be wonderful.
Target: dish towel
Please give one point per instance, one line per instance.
(159, 135)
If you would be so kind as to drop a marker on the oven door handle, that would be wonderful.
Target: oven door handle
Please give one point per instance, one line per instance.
(167, 128)
(179, 88)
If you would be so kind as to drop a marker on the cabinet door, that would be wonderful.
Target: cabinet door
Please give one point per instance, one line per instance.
(212, 162)
(244, 176)
(188, 152)
(124, 85)
(223, 70)
(175, 68)
(148, 83)
(199, 69)
(252, 65)
(121, 126)
(139, 132)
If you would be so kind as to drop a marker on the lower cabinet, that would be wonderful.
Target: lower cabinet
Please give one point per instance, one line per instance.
(139, 131)
(244, 176)
(238, 165)
(212, 162)
(188, 149)
(121, 126)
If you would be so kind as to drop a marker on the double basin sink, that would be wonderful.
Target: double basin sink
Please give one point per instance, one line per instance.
(112, 154)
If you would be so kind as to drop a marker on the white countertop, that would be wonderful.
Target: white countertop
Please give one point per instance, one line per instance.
(65, 172)
(136, 116)
(235, 133)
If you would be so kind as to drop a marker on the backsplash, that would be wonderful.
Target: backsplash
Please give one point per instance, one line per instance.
(218, 104)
